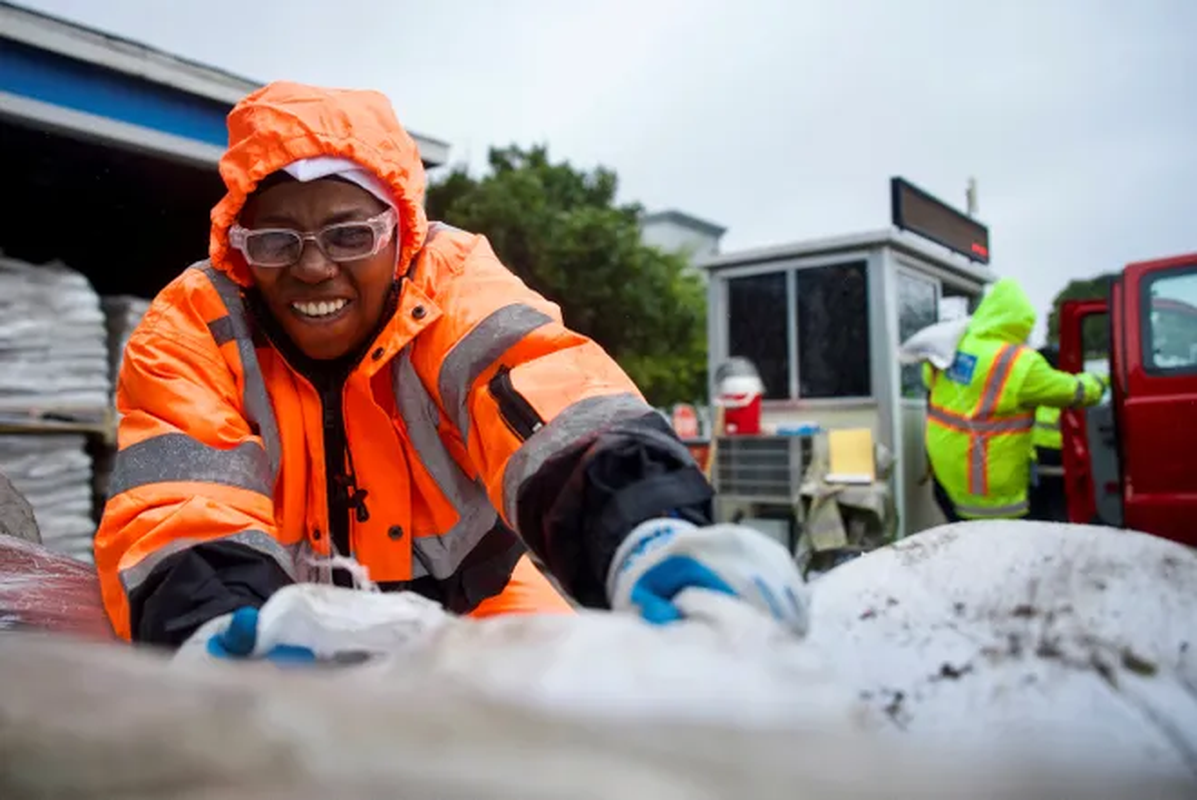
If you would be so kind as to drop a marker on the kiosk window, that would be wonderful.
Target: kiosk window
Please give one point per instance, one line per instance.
(756, 328)
(833, 331)
(1172, 322)
(955, 303)
(918, 307)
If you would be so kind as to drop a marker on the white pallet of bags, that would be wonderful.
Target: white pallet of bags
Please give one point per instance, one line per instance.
(54, 474)
(53, 344)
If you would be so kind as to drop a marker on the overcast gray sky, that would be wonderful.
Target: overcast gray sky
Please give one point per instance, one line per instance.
(780, 120)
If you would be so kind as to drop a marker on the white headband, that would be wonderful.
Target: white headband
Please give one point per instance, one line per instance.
(313, 169)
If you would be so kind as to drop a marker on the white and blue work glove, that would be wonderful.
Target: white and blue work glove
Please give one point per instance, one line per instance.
(236, 636)
(661, 558)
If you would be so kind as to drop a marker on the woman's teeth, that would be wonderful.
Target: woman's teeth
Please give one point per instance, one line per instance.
(320, 309)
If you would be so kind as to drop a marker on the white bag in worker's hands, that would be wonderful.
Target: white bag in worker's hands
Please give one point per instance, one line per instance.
(661, 554)
(335, 623)
(727, 661)
(935, 344)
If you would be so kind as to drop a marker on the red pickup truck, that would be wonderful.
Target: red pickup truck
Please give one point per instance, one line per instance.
(1132, 461)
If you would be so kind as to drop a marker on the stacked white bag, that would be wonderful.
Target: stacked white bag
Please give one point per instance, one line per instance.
(54, 474)
(53, 370)
(53, 348)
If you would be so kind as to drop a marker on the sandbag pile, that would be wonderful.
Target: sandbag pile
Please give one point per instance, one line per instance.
(1077, 640)
(122, 313)
(54, 373)
(53, 344)
(1007, 660)
(54, 472)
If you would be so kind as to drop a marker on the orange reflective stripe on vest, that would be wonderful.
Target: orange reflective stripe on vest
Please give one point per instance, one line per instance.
(984, 423)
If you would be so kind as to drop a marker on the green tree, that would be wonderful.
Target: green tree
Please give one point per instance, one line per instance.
(563, 233)
(1096, 332)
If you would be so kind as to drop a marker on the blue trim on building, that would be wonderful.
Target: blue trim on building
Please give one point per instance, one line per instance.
(61, 81)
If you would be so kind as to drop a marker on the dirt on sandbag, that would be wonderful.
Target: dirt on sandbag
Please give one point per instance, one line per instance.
(41, 590)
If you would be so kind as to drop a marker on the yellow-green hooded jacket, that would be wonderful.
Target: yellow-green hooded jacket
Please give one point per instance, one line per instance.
(981, 412)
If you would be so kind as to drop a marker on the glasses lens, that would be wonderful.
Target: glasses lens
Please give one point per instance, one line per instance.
(273, 248)
(348, 241)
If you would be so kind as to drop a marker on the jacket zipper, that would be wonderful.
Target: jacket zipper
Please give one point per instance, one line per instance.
(342, 495)
(514, 408)
(335, 483)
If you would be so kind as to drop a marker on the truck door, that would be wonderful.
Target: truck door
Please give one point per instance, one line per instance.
(1090, 448)
(1158, 418)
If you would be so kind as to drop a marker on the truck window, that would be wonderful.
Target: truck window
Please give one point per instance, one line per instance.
(833, 331)
(956, 302)
(756, 328)
(1170, 338)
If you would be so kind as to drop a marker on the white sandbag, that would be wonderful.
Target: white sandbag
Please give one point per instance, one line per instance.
(1072, 638)
(730, 664)
(53, 350)
(105, 721)
(1066, 640)
(935, 343)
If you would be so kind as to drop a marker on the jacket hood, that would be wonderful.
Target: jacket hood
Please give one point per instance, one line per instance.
(284, 122)
(1005, 313)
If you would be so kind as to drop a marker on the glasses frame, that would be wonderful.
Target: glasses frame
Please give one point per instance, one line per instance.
(381, 225)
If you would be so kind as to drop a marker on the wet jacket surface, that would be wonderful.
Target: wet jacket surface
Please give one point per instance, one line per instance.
(981, 411)
(472, 426)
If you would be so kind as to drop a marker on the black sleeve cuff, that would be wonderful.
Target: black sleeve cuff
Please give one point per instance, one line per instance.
(199, 584)
(579, 507)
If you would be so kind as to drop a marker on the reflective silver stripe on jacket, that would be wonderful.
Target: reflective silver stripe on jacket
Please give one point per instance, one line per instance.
(479, 349)
(1009, 510)
(262, 542)
(177, 457)
(439, 556)
(256, 400)
(578, 422)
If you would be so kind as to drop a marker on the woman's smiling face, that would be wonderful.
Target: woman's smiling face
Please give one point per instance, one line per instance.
(328, 308)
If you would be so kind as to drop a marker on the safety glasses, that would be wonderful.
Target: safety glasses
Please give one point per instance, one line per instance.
(345, 241)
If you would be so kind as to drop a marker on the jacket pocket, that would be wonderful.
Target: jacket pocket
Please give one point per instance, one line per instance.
(514, 408)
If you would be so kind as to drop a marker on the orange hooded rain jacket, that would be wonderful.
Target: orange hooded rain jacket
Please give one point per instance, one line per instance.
(473, 415)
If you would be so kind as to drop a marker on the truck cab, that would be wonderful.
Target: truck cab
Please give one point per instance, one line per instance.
(1131, 461)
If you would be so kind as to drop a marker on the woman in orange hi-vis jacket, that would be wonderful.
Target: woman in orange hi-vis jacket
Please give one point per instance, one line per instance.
(341, 378)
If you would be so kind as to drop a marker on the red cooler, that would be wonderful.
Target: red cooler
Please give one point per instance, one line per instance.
(740, 396)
